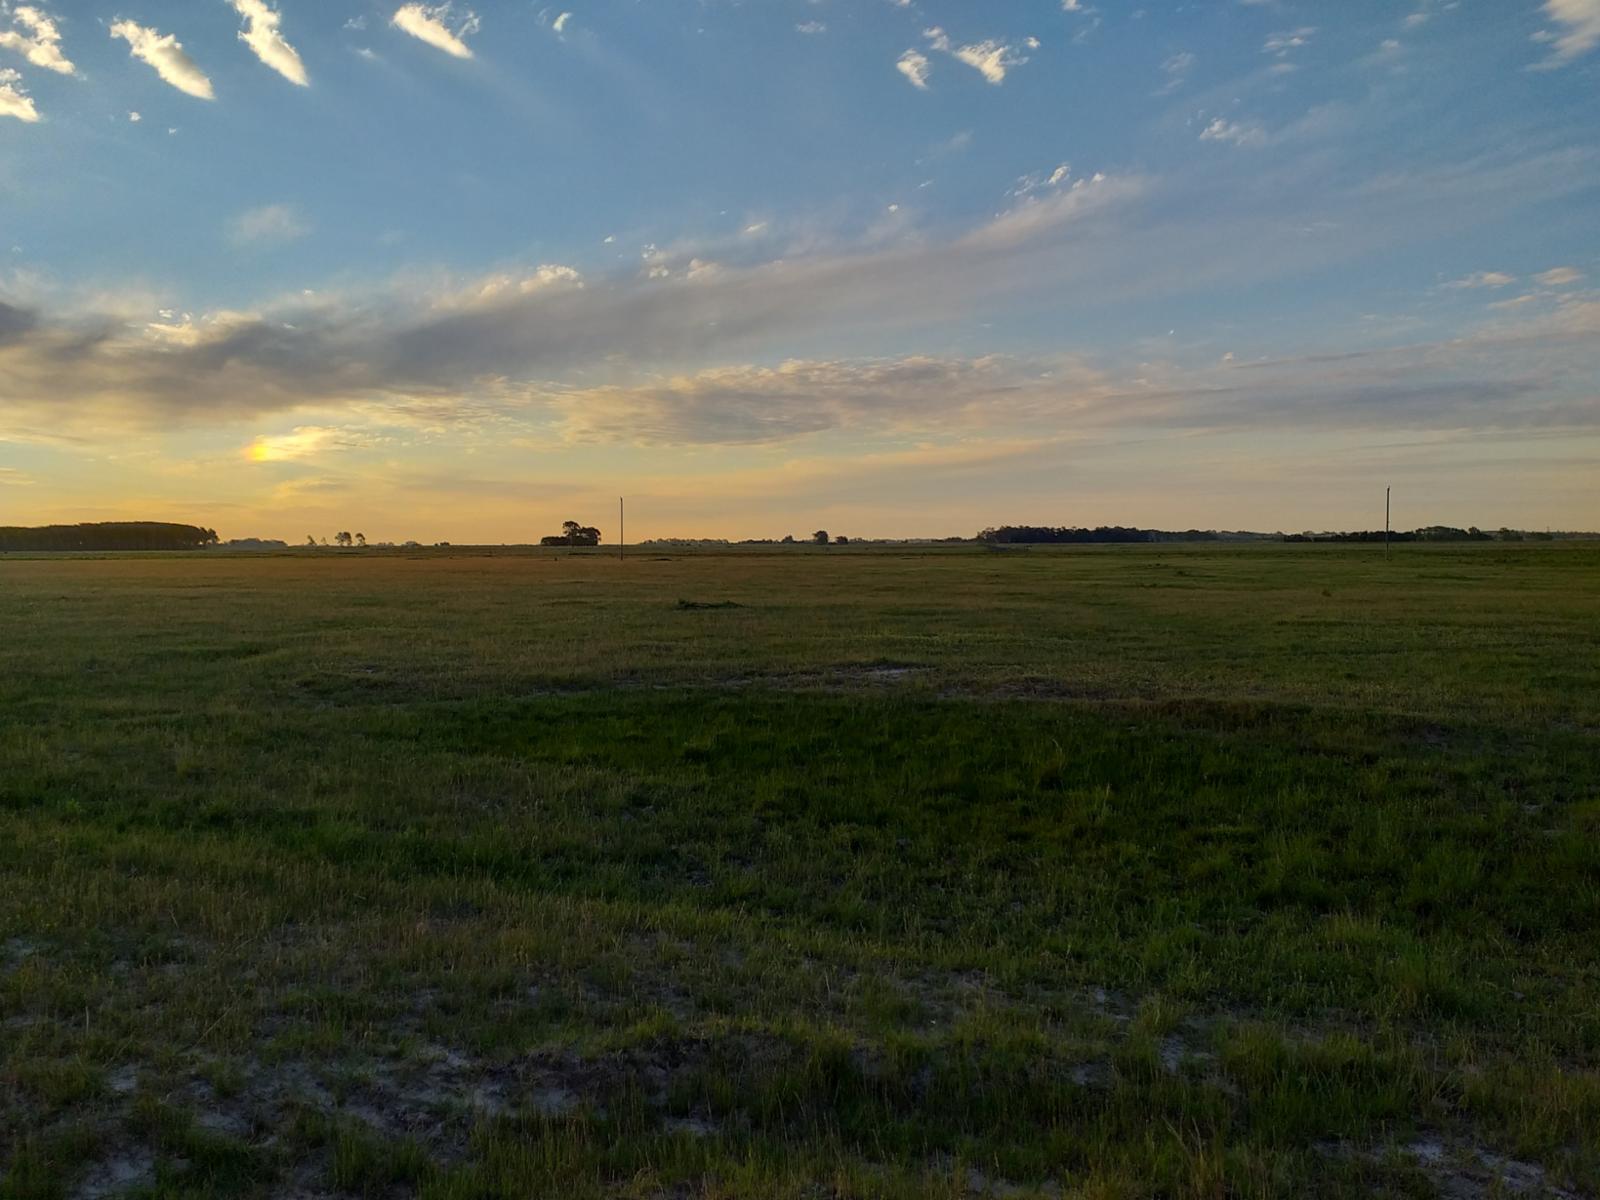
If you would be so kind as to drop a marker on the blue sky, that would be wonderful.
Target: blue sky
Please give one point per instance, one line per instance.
(287, 266)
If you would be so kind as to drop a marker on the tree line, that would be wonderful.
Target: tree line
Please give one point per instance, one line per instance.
(107, 535)
(1063, 534)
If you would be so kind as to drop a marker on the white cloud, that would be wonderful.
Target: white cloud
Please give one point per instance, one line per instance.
(270, 223)
(1176, 69)
(263, 38)
(14, 101)
(1559, 276)
(40, 44)
(1293, 39)
(135, 117)
(1483, 279)
(1039, 180)
(990, 58)
(1581, 19)
(560, 23)
(1233, 132)
(914, 66)
(430, 23)
(811, 27)
(165, 53)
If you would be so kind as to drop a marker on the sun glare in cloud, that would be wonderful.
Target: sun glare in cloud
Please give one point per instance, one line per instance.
(305, 441)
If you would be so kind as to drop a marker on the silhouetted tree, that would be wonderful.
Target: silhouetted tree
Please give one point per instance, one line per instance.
(573, 534)
(343, 538)
(361, 539)
(820, 537)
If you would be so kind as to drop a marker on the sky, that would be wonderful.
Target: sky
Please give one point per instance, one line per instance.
(892, 268)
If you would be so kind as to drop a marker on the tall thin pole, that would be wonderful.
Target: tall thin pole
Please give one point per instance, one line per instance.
(1386, 522)
(622, 532)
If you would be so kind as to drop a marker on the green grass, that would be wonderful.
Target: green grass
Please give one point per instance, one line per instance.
(1184, 871)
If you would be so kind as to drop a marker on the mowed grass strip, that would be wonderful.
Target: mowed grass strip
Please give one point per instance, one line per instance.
(308, 888)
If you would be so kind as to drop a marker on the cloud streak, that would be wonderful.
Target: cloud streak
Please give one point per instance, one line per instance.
(165, 54)
(504, 333)
(624, 356)
(1580, 29)
(267, 43)
(430, 23)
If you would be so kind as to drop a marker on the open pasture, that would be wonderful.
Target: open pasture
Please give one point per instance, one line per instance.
(1192, 871)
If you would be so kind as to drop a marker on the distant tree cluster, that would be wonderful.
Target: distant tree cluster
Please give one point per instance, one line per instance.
(573, 534)
(107, 535)
(1047, 535)
(1429, 533)
(252, 543)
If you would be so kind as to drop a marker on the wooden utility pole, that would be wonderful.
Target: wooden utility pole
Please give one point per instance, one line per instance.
(622, 533)
(1386, 522)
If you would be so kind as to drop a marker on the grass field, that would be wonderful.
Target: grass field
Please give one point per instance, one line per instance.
(1185, 871)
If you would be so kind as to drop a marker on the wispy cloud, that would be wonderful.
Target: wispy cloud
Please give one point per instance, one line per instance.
(914, 66)
(262, 35)
(165, 54)
(990, 58)
(1176, 69)
(14, 99)
(1287, 41)
(1559, 276)
(438, 26)
(1234, 133)
(1580, 29)
(34, 35)
(1483, 279)
(270, 223)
